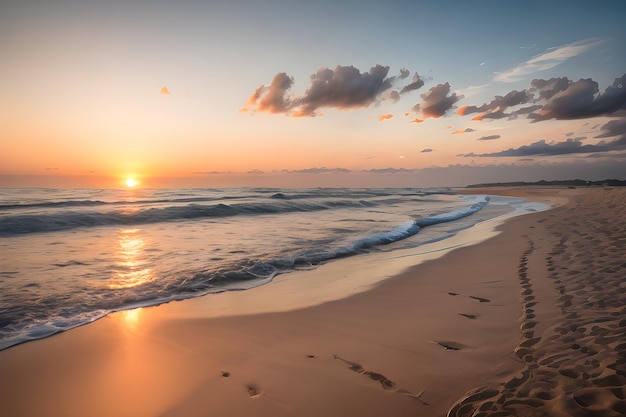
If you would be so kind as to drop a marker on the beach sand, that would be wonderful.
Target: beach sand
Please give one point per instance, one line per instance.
(531, 322)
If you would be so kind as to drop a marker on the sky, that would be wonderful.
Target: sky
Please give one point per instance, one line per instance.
(304, 94)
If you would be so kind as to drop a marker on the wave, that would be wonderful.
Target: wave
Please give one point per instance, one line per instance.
(91, 203)
(239, 275)
(246, 270)
(66, 220)
(34, 223)
(453, 215)
(268, 268)
(40, 329)
(180, 198)
(403, 231)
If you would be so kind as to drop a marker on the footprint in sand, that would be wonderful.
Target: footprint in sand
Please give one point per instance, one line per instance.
(386, 383)
(480, 299)
(253, 391)
(449, 345)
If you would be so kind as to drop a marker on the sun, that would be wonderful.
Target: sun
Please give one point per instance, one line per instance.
(131, 182)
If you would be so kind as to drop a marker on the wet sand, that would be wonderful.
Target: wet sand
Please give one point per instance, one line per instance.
(531, 322)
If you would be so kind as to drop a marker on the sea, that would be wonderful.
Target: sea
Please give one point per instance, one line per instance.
(71, 256)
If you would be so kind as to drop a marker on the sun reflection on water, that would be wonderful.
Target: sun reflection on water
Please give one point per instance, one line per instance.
(130, 263)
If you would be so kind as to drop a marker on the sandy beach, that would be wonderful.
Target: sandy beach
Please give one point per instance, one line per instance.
(531, 322)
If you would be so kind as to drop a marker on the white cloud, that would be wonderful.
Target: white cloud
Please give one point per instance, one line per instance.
(549, 59)
(473, 90)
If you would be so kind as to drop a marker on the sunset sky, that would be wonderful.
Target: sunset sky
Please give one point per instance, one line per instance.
(315, 93)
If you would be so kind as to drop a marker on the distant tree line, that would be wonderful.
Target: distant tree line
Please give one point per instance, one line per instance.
(565, 183)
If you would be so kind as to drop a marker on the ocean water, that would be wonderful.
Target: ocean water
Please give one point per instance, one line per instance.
(69, 257)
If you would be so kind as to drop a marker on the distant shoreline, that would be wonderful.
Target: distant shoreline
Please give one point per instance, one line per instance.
(570, 183)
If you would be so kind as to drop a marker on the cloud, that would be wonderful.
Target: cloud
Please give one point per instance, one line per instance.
(255, 171)
(426, 150)
(389, 170)
(614, 128)
(213, 173)
(570, 146)
(499, 103)
(573, 102)
(466, 130)
(344, 87)
(385, 117)
(472, 90)
(498, 113)
(548, 88)
(549, 59)
(581, 99)
(273, 99)
(164, 90)
(555, 98)
(436, 102)
(612, 156)
(524, 110)
(491, 137)
(394, 96)
(416, 84)
(320, 170)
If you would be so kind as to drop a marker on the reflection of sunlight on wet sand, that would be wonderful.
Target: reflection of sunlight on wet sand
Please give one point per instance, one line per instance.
(130, 262)
(131, 317)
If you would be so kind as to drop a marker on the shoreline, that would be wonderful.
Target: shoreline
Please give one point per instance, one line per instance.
(331, 280)
(415, 343)
(335, 280)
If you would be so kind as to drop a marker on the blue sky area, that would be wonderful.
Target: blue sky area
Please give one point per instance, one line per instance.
(311, 93)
